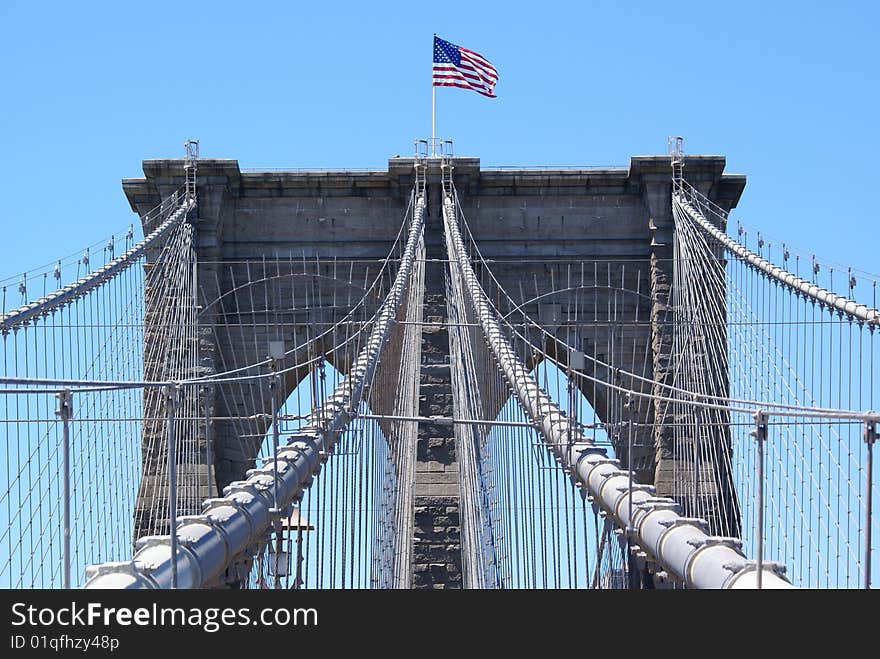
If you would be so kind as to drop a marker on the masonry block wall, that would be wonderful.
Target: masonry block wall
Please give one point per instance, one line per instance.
(437, 530)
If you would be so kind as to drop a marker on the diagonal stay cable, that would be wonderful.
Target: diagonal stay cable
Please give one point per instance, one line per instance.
(209, 543)
(677, 544)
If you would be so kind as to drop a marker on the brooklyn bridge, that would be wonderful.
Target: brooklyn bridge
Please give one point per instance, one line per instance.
(439, 376)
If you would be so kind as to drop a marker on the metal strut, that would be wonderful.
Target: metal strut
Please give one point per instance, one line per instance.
(679, 545)
(190, 168)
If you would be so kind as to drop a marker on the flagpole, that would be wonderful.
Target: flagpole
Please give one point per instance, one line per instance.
(433, 107)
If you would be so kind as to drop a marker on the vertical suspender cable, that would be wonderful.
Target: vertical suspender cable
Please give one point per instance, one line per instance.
(229, 525)
(678, 544)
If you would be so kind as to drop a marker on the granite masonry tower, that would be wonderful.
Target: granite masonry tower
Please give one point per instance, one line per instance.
(527, 221)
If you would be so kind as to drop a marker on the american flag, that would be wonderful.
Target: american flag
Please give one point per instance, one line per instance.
(455, 66)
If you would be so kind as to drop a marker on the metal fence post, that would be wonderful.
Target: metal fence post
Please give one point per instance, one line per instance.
(760, 434)
(65, 407)
(870, 436)
(172, 398)
(209, 454)
(628, 405)
(276, 352)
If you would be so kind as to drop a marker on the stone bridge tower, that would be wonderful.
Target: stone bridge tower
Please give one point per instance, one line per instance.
(532, 223)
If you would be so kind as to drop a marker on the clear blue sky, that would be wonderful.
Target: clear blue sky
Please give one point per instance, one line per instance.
(788, 91)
